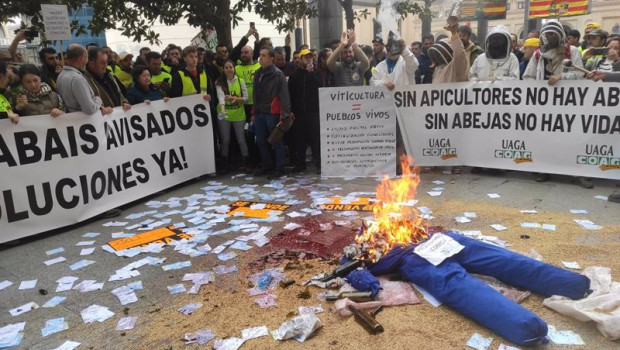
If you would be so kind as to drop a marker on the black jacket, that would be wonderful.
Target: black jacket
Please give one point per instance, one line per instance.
(303, 87)
(271, 92)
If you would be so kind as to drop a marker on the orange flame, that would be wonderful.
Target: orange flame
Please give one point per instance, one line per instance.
(396, 221)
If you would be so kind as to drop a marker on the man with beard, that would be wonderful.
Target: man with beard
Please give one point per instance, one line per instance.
(472, 51)
(546, 64)
(51, 68)
(379, 53)
(216, 67)
(353, 62)
(172, 61)
(424, 74)
(235, 55)
(245, 71)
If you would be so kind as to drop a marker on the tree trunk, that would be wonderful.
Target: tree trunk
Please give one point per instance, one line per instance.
(347, 6)
(426, 21)
(221, 22)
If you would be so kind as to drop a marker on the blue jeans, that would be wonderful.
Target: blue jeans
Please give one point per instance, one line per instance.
(264, 124)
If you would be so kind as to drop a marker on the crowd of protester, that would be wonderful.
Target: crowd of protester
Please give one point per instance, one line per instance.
(256, 91)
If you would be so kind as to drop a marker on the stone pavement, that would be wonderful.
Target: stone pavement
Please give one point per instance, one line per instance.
(24, 260)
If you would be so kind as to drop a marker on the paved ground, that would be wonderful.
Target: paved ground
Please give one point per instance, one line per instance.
(25, 260)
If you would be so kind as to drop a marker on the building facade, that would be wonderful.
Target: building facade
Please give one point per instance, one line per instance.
(604, 12)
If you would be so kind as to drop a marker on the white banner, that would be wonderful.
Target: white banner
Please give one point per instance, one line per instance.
(571, 128)
(59, 171)
(358, 132)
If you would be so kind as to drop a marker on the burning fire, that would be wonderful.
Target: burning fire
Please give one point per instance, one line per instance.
(395, 219)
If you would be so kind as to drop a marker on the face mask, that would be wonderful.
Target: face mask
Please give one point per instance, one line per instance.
(497, 46)
(550, 41)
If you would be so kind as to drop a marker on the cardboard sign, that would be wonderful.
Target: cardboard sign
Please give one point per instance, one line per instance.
(358, 131)
(438, 248)
(256, 209)
(56, 22)
(345, 204)
(163, 235)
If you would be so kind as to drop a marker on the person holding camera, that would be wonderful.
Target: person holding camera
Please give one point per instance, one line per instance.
(159, 78)
(36, 97)
(11, 55)
(596, 47)
(608, 61)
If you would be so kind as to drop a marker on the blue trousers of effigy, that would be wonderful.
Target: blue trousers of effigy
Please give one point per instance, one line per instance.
(452, 284)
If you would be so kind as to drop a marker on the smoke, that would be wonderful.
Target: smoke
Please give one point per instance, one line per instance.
(388, 17)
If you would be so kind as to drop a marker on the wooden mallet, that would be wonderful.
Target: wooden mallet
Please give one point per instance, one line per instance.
(569, 64)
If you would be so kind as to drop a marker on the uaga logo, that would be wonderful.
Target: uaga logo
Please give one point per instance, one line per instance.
(601, 156)
(515, 150)
(439, 148)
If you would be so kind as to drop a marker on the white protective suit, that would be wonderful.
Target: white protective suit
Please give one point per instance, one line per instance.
(497, 63)
(403, 73)
(552, 58)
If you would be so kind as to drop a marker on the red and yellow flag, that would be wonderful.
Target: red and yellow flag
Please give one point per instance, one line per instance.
(482, 9)
(555, 8)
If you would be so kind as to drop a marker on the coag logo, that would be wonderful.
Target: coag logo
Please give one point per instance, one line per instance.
(439, 148)
(515, 150)
(601, 156)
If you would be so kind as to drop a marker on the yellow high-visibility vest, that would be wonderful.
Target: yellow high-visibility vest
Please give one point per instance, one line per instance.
(188, 84)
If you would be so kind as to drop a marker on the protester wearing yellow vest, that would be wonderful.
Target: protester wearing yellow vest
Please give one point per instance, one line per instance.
(159, 78)
(124, 73)
(6, 111)
(172, 61)
(231, 94)
(190, 79)
(245, 70)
